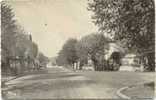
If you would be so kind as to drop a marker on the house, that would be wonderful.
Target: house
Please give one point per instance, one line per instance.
(131, 62)
(122, 60)
(113, 55)
(114, 47)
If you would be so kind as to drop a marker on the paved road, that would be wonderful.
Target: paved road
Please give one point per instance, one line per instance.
(57, 83)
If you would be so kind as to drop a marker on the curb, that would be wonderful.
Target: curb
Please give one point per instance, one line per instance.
(5, 88)
(121, 95)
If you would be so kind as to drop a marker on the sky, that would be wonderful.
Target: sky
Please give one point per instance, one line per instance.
(52, 22)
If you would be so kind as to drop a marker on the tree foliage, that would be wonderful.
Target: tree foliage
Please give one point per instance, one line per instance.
(92, 47)
(43, 60)
(8, 31)
(131, 21)
(15, 42)
(68, 53)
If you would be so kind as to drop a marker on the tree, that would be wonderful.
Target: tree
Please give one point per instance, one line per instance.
(61, 59)
(93, 47)
(43, 60)
(82, 53)
(16, 43)
(8, 34)
(68, 53)
(34, 49)
(131, 21)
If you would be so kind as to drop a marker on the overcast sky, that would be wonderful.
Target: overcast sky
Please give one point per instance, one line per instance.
(52, 22)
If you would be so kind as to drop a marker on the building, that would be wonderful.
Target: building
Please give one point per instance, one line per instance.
(113, 55)
(131, 62)
(114, 48)
(118, 55)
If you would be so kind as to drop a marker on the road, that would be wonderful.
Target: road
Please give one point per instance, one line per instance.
(58, 83)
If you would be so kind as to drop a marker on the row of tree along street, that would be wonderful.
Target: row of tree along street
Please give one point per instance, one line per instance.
(131, 22)
(18, 52)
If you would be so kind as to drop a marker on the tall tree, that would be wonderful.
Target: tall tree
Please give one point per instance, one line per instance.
(131, 21)
(93, 47)
(8, 33)
(43, 60)
(68, 52)
(61, 59)
(16, 44)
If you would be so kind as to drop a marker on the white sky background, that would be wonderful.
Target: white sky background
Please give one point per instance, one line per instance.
(52, 22)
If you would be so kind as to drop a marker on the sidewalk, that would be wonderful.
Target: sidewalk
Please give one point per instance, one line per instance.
(5, 79)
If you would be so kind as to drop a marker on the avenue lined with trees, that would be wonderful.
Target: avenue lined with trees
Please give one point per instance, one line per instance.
(128, 22)
(115, 61)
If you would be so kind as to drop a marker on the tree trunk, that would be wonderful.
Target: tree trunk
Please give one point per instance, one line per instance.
(151, 62)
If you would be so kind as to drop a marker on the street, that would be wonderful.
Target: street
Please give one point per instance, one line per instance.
(59, 82)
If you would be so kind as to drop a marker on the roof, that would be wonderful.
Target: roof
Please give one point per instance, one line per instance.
(130, 55)
(114, 47)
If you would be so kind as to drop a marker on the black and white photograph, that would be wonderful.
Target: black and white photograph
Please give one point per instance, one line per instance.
(78, 49)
